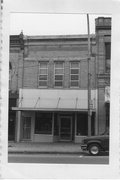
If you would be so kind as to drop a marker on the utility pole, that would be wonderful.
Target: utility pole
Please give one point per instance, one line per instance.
(89, 79)
(22, 50)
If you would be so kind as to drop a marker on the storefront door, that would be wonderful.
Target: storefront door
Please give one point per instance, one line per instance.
(11, 129)
(65, 129)
(27, 128)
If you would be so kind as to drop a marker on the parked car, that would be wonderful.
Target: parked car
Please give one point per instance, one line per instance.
(96, 144)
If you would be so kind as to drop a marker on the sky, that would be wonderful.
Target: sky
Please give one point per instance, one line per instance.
(51, 24)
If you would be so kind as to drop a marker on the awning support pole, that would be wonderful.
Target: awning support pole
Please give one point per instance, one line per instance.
(76, 103)
(53, 125)
(75, 125)
(89, 80)
(37, 102)
(20, 102)
(18, 120)
(58, 102)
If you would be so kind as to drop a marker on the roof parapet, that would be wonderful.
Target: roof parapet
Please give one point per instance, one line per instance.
(103, 23)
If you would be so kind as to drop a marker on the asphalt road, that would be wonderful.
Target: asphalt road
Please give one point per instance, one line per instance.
(58, 158)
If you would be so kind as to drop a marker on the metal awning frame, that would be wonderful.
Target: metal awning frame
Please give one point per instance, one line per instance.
(49, 109)
(57, 108)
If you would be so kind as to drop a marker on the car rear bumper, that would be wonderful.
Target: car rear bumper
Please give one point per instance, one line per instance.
(84, 147)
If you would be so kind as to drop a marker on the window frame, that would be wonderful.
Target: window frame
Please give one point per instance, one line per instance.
(40, 62)
(63, 68)
(77, 68)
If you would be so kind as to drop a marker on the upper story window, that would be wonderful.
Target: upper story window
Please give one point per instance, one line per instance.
(107, 56)
(43, 74)
(74, 74)
(59, 74)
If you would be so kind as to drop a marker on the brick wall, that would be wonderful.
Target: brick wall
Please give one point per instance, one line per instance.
(14, 59)
(65, 51)
(31, 74)
(103, 35)
(30, 79)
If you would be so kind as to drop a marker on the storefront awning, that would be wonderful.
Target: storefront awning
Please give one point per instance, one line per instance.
(54, 100)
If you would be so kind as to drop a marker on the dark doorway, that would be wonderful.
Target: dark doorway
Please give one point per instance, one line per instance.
(11, 126)
(65, 128)
(12, 117)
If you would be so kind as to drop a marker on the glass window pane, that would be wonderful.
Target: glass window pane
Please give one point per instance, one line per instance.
(42, 77)
(58, 71)
(42, 83)
(59, 65)
(82, 124)
(74, 77)
(42, 71)
(74, 71)
(58, 77)
(74, 64)
(43, 123)
(74, 83)
(58, 83)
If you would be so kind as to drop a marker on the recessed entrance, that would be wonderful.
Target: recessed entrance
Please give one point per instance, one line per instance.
(26, 128)
(65, 128)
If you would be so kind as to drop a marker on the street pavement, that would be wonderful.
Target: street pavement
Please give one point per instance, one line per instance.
(62, 152)
(82, 158)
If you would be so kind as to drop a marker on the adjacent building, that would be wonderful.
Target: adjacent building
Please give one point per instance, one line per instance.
(103, 59)
(48, 85)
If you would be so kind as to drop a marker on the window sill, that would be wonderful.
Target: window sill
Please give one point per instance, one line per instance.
(43, 134)
(42, 87)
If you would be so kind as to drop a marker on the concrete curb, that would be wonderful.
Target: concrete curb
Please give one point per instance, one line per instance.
(42, 152)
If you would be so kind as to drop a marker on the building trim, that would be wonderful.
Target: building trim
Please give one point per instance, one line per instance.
(50, 109)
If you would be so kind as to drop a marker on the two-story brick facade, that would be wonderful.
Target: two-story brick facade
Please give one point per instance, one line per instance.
(50, 75)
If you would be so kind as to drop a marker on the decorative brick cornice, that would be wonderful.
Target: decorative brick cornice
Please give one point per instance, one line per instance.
(103, 23)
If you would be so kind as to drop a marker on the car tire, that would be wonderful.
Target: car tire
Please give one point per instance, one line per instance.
(94, 149)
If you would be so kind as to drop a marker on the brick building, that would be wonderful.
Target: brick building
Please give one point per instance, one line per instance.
(49, 85)
(103, 57)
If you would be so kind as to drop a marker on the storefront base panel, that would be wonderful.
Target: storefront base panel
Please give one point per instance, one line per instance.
(56, 138)
(42, 138)
(78, 139)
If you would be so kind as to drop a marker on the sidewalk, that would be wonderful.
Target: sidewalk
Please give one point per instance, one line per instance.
(43, 148)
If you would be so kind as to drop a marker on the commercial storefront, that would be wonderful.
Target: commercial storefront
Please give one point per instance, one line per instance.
(50, 75)
(54, 115)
